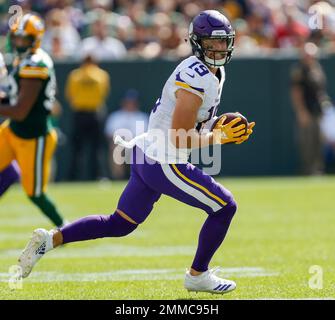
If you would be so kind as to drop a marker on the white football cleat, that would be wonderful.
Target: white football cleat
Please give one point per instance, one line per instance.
(208, 282)
(39, 244)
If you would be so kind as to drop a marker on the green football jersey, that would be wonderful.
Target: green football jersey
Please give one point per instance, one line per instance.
(35, 66)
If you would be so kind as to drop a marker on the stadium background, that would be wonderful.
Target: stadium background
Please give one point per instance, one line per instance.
(269, 35)
(258, 88)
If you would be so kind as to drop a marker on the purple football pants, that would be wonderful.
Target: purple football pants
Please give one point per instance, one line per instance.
(148, 181)
(8, 176)
(184, 182)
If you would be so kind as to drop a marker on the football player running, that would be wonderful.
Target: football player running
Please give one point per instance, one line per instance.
(28, 136)
(190, 96)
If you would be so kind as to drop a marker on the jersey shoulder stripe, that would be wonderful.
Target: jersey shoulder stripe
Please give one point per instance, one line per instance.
(34, 72)
(38, 65)
(180, 82)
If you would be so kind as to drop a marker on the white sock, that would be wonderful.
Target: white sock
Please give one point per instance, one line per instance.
(49, 241)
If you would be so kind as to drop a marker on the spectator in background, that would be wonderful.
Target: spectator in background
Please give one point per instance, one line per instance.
(61, 39)
(130, 122)
(260, 30)
(323, 35)
(292, 33)
(100, 45)
(139, 44)
(309, 96)
(245, 44)
(87, 89)
(148, 28)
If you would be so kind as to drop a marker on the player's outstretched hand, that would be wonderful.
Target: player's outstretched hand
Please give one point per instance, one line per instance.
(245, 137)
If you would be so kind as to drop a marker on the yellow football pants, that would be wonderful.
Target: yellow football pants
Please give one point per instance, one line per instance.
(32, 155)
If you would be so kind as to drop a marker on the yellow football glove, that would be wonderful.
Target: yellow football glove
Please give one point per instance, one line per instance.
(245, 137)
(225, 133)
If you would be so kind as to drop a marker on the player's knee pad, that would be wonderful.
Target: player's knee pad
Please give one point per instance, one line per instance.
(119, 226)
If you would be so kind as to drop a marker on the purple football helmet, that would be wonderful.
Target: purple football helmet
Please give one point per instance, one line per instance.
(211, 24)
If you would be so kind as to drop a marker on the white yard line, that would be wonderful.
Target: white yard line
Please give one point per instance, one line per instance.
(135, 275)
(111, 250)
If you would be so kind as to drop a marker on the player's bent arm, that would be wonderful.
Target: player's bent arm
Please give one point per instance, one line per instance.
(183, 135)
(29, 91)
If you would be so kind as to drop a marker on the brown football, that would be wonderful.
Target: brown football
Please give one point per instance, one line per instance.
(233, 115)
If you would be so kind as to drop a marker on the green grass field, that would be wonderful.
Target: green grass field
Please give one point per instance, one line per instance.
(283, 227)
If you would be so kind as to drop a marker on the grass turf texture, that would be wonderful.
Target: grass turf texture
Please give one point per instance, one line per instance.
(283, 227)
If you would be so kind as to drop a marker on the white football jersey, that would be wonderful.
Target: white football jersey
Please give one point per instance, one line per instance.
(191, 75)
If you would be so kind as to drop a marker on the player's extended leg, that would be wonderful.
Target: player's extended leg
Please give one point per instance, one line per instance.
(8, 177)
(118, 224)
(136, 194)
(220, 207)
(34, 158)
(191, 185)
